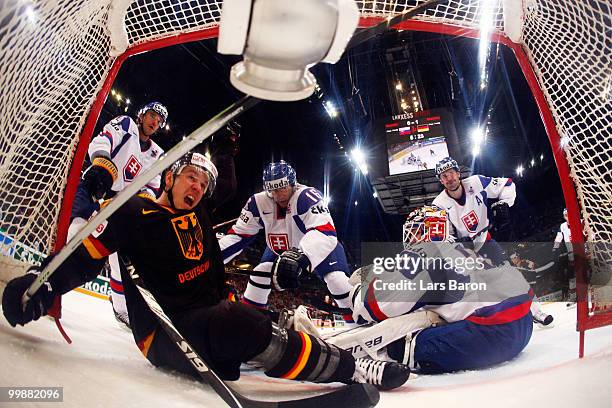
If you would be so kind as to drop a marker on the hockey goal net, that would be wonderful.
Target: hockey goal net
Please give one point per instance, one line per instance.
(58, 59)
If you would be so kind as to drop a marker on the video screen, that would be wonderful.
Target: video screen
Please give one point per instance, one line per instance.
(415, 144)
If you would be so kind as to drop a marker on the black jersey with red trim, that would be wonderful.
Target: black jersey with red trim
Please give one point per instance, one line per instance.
(175, 252)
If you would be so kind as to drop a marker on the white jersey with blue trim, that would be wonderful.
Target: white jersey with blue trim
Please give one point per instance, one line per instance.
(121, 142)
(468, 215)
(564, 235)
(306, 224)
(446, 278)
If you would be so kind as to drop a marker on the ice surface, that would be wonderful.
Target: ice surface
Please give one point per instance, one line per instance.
(104, 368)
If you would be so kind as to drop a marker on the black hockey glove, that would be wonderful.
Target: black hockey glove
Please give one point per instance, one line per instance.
(37, 306)
(99, 178)
(501, 213)
(226, 141)
(287, 269)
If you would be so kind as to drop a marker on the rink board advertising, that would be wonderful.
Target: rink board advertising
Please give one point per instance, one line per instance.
(416, 141)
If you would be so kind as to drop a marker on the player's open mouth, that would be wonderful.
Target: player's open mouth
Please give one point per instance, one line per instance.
(189, 200)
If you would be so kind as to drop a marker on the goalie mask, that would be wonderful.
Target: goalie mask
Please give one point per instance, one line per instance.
(426, 224)
(278, 175)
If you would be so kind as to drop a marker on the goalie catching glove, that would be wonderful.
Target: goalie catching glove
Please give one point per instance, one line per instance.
(99, 178)
(287, 269)
(37, 306)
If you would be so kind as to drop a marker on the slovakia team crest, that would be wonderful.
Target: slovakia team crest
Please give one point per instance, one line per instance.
(278, 242)
(131, 168)
(470, 220)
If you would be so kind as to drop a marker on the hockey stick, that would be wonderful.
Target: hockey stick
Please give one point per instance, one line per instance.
(191, 141)
(369, 33)
(354, 395)
(224, 223)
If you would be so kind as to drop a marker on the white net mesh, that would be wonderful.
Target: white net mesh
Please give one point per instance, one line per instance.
(55, 55)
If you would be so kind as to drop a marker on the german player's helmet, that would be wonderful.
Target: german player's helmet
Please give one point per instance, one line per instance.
(157, 107)
(446, 163)
(426, 224)
(201, 163)
(278, 175)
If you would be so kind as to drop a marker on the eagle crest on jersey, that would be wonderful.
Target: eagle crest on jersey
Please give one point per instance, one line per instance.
(190, 236)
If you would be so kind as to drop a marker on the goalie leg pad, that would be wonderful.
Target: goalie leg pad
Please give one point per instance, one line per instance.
(368, 340)
(297, 320)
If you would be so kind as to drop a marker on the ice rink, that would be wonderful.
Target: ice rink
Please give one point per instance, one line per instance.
(104, 368)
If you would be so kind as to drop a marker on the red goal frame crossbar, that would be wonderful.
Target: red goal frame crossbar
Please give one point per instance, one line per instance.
(584, 320)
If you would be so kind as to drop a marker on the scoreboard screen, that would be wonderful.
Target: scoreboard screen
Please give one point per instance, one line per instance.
(415, 141)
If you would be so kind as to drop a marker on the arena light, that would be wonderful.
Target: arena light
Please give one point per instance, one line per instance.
(330, 108)
(486, 25)
(375, 194)
(359, 159)
(356, 203)
(128, 101)
(532, 162)
(477, 135)
(326, 200)
(29, 11)
(564, 141)
(541, 157)
(476, 151)
(519, 170)
(398, 86)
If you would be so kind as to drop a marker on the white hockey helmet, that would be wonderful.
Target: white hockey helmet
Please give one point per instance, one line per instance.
(158, 108)
(201, 163)
(446, 163)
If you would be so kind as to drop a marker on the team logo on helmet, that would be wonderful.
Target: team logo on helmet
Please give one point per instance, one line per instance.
(426, 224)
(446, 163)
(157, 107)
(200, 162)
(278, 175)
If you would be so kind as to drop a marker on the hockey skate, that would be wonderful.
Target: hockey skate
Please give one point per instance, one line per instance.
(385, 375)
(121, 317)
(542, 318)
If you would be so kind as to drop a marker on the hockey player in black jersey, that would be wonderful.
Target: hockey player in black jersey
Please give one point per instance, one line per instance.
(171, 244)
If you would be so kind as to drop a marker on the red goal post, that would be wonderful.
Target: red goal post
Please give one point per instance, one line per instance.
(58, 61)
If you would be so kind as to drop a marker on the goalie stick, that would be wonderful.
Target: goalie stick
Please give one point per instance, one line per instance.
(354, 395)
